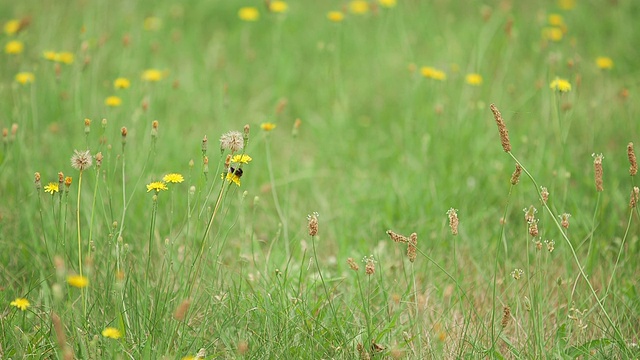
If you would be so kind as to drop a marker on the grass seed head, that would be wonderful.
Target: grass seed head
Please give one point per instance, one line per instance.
(313, 223)
(397, 237)
(453, 220)
(506, 316)
(515, 177)
(633, 164)
(635, 194)
(502, 128)
(544, 193)
(352, 264)
(597, 167)
(412, 247)
(36, 181)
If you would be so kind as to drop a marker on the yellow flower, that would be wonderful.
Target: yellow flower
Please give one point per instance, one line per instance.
(12, 26)
(173, 178)
(65, 57)
(267, 126)
(78, 281)
(387, 3)
(51, 188)
(121, 83)
(555, 20)
(14, 47)
(433, 73)
(335, 16)
(552, 33)
(25, 78)
(244, 159)
(604, 63)
(561, 85)
(152, 75)
(278, 6)
(566, 4)
(248, 13)
(359, 7)
(474, 79)
(152, 23)
(113, 101)
(188, 357)
(50, 55)
(232, 177)
(21, 303)
(111, 333)
(157, 186)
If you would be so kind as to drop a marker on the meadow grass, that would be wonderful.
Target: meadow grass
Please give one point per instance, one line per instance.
(378, 214)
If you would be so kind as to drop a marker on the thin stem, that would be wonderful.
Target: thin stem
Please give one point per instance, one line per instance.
(84, 303)
(615, 266)
(326, 291)
(274, 193)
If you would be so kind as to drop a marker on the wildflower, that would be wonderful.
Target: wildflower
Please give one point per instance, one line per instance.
(335, 16)
(157, 186)
(152, 75)
(550, 245)
(51, 188)
(11, 27)
(530, 214)
(152, 23)
(555, 20)
(154, 128)
(50, 55)
(597, 167)
(352, 264)
(25, 78)
(517, 274)
(544, 193)
(14, 47)
(433, 73)
(604, 63)
(387, 3)
(173, 178)
(561, 85)
(78, 281)
(267, 126)
(359, 7)
(112, 333)
(121, 83)
(67, 183)
(515, 177)
(233, 141)
(313, 223)
(564, 220)
(248, 13)
(278, 6)
(502, 128)
(233, 175)
(241, 159)
(552, 33)
(113, 101)
(370, 265)
(21, 303)
(99, 159)
(474, 79)
(453, 220)
(81, 160)
(633, 163)
(65, 57)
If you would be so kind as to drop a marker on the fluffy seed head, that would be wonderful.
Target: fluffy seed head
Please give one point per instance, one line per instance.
(81, 160)
(232, 141)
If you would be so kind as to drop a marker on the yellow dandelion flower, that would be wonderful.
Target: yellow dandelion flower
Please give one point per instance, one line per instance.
(278, 6)
(112, 333)
(51, 188)
(152, 23)
(50, 55)
(241, 159)
(12, 26)
(173, 178)
(65, 57)
(232, 176)
(121, 83)
(248, 13)
(78, 281)
(474, 79)
(113, 101)
(433, 73)
(25, 78)
(14, 47)
(387, 3)
(604, 63)
(21, 303)
(157, 186)
(335, 16)
(359, 7)
(267, 126)
(552, 33)
(566, 4)
(561, 85)
(152, 75)
(555, 20)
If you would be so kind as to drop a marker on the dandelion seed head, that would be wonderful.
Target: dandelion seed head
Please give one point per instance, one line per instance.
(81, 160)
(232, 141)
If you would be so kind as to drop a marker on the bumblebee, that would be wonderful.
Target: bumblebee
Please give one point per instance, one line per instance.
(237, 172)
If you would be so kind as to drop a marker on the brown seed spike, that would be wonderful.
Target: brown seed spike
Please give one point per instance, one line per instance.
(502, 128)
(515, 177)
(597, 167)
(397, 237)
(506, 316)
(633, 168)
